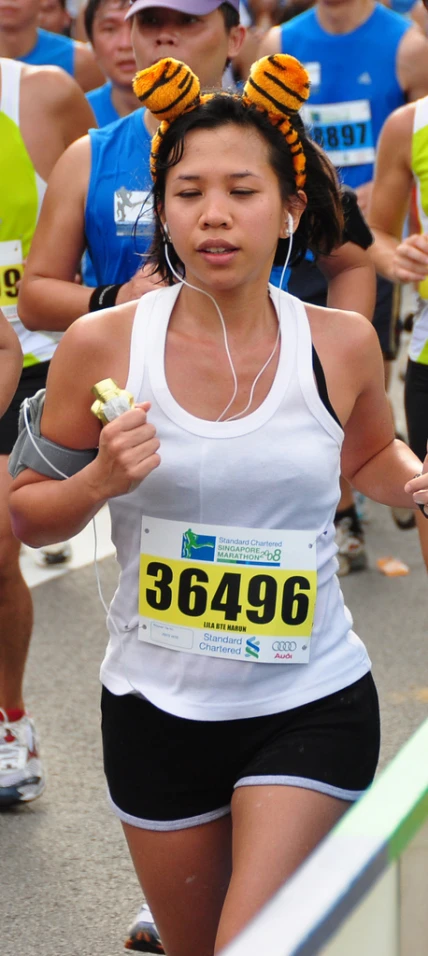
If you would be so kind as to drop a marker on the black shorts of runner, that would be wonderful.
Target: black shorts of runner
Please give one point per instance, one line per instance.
(416, 404)
(308, 283)
(32, 378)
(168, 773)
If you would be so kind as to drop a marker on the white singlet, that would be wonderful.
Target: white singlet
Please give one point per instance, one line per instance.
(275, 469)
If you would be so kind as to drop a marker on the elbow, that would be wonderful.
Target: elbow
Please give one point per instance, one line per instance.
(21, 526)
(27, 307)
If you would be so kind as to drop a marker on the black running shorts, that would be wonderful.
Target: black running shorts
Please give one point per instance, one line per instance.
(416, 403)
(169, 773)
(32, 378)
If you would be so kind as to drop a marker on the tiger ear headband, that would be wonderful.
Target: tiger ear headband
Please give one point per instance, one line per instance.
(277, 85)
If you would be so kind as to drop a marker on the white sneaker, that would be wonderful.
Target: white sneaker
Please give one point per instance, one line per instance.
(21, 771)
(143, 936)
(351, 554)
(52, 554)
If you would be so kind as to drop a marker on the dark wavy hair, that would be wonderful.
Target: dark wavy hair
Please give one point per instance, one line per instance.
(321, 225)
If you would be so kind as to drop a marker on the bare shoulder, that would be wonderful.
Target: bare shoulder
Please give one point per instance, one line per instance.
(411, 63)
(400, 123)
(271, 42)
(413, 41)
(344, 336)
(48, 82)
(100, 339)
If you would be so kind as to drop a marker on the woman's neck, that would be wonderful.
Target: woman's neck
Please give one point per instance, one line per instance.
(248, 312)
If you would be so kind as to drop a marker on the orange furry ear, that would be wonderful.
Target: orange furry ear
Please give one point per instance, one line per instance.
(279, 85)
(167, 89)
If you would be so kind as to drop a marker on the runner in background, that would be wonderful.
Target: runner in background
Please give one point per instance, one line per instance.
(356, 82)
(22, 39)
(42, 110)
(110, 35)
(402, 162)
(54, 17)
(10, 361)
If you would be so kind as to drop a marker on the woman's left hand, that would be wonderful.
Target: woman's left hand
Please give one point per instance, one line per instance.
(418, 487)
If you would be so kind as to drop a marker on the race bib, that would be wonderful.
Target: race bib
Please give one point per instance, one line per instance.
(344, 130)
(241, 594)
(11, 271)
(133, 212)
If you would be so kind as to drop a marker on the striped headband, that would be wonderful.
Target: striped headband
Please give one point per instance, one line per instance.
(277, 85)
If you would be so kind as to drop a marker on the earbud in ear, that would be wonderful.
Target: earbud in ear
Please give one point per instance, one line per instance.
(290, 222)
(166, 232)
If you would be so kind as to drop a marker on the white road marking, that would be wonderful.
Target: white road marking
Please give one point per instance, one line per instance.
(82, 547)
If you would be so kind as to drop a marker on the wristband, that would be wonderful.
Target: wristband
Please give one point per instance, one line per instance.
(104, 297)
(421, 507)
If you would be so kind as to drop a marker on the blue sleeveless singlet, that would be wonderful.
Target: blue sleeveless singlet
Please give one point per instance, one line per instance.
(51, 49)
(118, 214)
(102, 106)
(354, 85)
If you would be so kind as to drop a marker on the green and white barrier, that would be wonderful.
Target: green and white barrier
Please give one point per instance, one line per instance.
(364, 891)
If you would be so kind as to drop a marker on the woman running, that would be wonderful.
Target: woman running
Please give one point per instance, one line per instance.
(240, 718)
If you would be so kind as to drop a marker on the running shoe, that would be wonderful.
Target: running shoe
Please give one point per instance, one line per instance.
(53, 554)
(362, 505)
(21, 771)
(404, 518)
(351, 555)
(143, 936)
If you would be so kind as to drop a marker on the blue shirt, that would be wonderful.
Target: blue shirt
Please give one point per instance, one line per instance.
(118, 214)
(101, 102)
(354, 86)
(52, 49)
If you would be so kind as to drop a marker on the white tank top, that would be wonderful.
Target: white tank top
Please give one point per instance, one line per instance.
(276, 468)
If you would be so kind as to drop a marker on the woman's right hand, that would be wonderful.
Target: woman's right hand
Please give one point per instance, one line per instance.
(127, 453)
(410, 262)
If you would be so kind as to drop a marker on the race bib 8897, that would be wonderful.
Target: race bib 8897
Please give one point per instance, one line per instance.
(234, 593)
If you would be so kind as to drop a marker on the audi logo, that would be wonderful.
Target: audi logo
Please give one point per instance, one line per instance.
(284, 646)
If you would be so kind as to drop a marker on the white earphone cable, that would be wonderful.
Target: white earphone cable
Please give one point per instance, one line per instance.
(223, 324)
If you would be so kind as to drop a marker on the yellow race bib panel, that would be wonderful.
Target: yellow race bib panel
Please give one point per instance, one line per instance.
(11, 271)
(237, 593)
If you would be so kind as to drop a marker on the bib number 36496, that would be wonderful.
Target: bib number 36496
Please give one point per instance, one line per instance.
(228, 597)
(234, 593)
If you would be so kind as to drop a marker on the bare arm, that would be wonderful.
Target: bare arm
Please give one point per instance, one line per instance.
(351, 279)
(86, 70)
(44, 510)
(10, 363)
(373, 461)
(403, 260)
(412, 61)
(49, 299)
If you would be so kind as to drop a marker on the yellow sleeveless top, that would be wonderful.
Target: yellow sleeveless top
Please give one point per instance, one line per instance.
(418, 349)
(21, 195)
